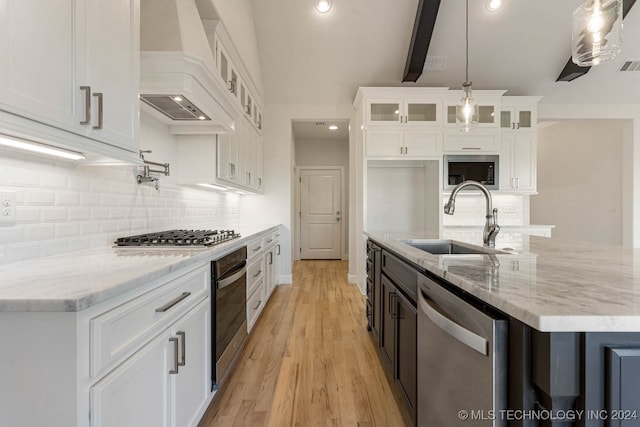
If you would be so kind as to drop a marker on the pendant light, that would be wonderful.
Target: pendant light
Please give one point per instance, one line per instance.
(322, 6)
(467, 109)
(597, 32)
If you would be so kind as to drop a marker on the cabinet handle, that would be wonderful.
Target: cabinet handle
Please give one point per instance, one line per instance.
(172, 303)
(278, 249)
(257, 305)
(518, 125)
(270, 240)
(471, 148)
(257, 249)
(232, 171)
(400, 150)
(258, 273)
(517, 182)
(99, 96)
(87, 105)
(182, 334)
(174, 340)
(513, 125)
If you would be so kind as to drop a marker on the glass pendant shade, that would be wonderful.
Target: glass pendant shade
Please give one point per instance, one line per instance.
(322, 6)
(466, 110)
(597, 32)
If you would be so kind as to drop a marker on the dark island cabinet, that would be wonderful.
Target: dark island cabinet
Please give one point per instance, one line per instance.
(394, 321)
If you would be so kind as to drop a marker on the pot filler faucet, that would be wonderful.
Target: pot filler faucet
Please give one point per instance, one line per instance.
(491, 227)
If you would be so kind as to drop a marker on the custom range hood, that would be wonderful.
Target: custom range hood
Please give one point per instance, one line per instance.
(178, 81)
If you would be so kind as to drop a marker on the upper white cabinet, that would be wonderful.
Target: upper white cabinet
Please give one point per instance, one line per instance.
(420, 112)
(519, 113)
(403, 143)
(73, 65)
(488, 102)
(518, 144)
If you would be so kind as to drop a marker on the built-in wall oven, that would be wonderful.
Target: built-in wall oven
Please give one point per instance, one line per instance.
(229, 311)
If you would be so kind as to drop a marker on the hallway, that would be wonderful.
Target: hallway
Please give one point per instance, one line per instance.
(309, 360)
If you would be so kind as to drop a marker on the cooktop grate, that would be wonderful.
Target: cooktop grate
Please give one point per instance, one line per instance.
(179, 238)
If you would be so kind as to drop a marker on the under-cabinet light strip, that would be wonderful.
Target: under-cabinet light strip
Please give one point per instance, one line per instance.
(36, 147)
(214, 187)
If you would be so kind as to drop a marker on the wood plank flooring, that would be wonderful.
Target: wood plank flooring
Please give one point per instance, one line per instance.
(309, 360)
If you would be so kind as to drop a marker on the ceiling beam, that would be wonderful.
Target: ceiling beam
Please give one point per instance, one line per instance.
(572, 71)
(420, 39)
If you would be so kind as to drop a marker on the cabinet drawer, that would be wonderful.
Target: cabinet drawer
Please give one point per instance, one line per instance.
(118, 333)
(254, 248)
(471, 143)
(255, 304)
(270, 240)
(255, 273)
(402, 274)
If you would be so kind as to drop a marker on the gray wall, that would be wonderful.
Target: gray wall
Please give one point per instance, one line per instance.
(580, 180)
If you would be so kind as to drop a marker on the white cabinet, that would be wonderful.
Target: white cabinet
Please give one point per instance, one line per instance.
(255, 281)
(518, 159)
(477, 141)
(73, 65)
(164, 383)
(421, 112)
(228, 157)
(403, 143)
(272, 263)
(137, 393)
(518, 144)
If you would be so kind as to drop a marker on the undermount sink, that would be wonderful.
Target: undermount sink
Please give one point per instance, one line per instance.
(451, 247)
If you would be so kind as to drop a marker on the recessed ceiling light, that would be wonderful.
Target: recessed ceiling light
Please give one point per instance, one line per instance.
(494, 5)
(333, 127)
(323, 6)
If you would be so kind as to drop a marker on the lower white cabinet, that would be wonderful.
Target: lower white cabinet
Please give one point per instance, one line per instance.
(165, 383)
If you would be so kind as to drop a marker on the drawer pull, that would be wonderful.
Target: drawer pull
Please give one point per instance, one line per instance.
(471, 148)
(174, 340)
(173, 302)
(183, 360)
(258, 273)
(257, 249)
(257, 305)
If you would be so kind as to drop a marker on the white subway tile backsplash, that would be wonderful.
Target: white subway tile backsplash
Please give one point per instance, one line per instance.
(20, 177)
(40, 232)
(68, 198)
(53, 180)
(26, 214)
(62, 207)
(39, 197)
(54, 214)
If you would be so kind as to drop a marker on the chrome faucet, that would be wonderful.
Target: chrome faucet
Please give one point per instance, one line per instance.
(491, 227)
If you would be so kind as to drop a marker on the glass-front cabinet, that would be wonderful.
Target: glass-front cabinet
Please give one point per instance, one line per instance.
(515, 118)
(486, 115)
(398, 111)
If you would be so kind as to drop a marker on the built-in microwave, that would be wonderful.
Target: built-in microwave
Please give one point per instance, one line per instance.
(481, 168)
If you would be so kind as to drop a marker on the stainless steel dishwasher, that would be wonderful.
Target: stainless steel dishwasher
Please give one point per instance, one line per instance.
(462, 360)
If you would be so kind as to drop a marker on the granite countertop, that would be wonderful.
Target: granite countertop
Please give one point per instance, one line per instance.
(550, 284)
(78, 280)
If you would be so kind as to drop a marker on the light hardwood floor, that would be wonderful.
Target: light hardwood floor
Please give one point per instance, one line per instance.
(309, 360)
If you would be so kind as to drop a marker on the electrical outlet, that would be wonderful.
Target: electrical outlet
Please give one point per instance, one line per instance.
(386, 207)
(7, 207)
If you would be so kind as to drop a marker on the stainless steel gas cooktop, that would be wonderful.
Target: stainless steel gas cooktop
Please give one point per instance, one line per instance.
(172, 238)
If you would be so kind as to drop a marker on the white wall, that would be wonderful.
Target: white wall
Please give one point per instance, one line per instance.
(580, 180)
(328, 153)
(630, 114)
(276, 205)
(64, 207)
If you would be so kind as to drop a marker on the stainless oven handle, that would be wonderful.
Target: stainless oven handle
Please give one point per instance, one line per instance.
(229, 280)
(465, 336)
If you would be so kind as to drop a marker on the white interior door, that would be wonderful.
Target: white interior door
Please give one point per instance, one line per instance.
(320, 214)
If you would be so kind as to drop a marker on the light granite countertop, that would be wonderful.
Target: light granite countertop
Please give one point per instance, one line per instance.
(550, 284)
(78, 280)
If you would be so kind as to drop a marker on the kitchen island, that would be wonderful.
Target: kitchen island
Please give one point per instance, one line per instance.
(573, 314)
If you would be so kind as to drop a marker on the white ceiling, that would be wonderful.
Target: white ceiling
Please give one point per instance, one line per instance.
(308, 58)
(312, 131)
